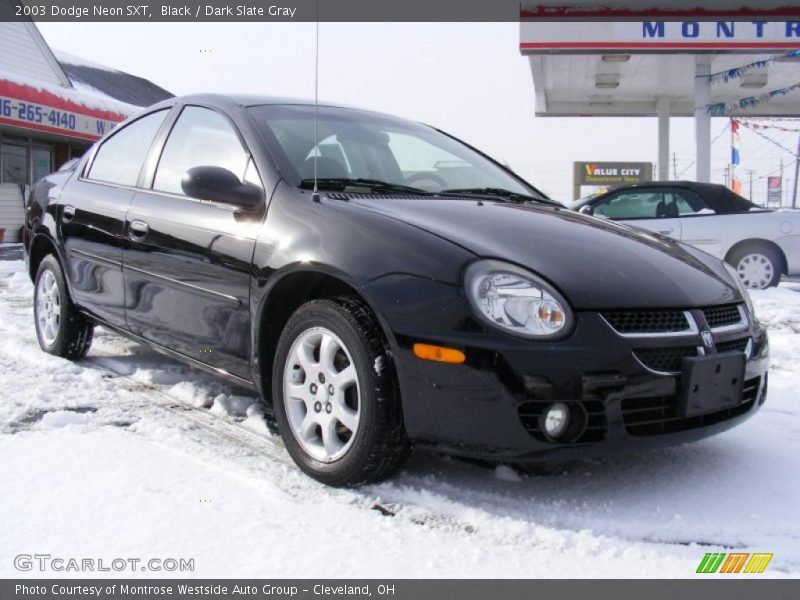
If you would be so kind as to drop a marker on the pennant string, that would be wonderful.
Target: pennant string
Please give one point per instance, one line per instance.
(721, 108)
(736, 72)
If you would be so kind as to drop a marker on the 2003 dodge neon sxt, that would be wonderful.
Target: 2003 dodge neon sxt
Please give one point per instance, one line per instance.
(424, 296)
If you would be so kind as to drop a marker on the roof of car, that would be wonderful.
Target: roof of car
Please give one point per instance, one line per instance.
(720, 198)
(256, 100)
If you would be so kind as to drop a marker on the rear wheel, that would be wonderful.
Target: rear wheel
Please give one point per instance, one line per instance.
(759, 265)
(335, 396)
(60, 328)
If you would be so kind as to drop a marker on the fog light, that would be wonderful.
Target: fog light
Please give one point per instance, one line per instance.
(556, 420)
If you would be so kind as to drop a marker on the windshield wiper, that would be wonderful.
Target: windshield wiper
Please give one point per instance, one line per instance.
(502, 193)
(340, 183)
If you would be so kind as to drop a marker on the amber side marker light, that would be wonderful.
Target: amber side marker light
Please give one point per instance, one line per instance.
(439, 354)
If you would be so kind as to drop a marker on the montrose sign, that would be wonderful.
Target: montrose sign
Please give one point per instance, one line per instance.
(656, 35)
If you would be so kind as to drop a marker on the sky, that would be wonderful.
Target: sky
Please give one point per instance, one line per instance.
(468, 79)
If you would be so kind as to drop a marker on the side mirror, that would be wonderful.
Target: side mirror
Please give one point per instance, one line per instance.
(586, 209)
(220, 185)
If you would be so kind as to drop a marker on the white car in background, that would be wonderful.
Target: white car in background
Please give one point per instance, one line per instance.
(761, 244)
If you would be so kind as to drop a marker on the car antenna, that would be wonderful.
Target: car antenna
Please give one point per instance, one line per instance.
(315, 193)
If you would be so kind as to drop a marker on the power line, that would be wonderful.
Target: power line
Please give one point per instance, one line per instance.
(719, 135)
(689, 166)
(781, 146)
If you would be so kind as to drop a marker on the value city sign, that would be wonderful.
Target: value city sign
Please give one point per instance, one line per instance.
(609, 173)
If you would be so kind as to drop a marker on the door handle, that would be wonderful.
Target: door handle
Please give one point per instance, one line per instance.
(666, 231)
(68, 213)
(138, 229)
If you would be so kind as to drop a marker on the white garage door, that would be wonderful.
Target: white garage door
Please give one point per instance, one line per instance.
(11, 211)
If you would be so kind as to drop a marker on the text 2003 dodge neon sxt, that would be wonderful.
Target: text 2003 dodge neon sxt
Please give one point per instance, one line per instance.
(425, 296)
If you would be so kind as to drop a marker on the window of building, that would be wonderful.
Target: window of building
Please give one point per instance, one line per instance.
(41, 162)
(14, 163)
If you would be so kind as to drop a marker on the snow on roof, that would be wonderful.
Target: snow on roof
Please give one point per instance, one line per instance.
(80, 95)
(66, 57)
(117, 84)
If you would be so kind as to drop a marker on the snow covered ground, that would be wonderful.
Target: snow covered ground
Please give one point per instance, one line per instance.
(103, 459)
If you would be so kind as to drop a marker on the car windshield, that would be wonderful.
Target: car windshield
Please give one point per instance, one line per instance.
(361, 150)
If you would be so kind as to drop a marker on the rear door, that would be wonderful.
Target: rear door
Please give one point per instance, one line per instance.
(649, 208)
(91, 217)
(188, 261)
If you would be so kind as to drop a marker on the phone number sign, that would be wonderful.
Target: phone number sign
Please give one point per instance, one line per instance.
(30, 108)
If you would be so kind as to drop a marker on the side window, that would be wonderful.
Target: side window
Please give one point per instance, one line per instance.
(120, 158)
(689, 203)
(200, 137)
(631, 205)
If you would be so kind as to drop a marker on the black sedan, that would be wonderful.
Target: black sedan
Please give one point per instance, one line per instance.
(384, 285)
(760, 243)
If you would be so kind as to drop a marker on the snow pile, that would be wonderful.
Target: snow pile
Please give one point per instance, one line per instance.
(107, 458)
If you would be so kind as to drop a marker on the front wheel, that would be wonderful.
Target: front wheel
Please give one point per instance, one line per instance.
(335, 395)
(60, 328)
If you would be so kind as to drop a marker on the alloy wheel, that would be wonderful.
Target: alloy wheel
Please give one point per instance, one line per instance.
(48, 307)
(321, 394)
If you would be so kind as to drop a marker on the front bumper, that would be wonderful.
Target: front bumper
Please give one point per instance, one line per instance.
(490, 407)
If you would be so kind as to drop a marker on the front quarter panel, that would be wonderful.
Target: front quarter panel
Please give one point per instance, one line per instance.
(346, 242)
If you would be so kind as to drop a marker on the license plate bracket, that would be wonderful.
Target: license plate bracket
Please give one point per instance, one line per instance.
(711, 383)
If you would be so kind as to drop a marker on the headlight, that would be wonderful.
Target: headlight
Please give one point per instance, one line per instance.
(742, 290)
(516, 301)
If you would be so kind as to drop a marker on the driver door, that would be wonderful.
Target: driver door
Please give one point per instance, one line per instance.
(187, 262)
(655, 209)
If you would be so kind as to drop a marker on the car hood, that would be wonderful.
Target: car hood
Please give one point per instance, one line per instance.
(595, 263)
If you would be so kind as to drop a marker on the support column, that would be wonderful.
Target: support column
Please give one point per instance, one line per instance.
(662, 107)
(702, 120)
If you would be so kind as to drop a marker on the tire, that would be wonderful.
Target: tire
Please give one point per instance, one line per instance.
(60, 328)
(759, 265)
(338, 409)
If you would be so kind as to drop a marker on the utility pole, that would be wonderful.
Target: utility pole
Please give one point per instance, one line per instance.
(674, 166)
(750, 172)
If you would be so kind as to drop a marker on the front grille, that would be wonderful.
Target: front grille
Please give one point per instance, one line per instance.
(659, 415)
(531, 411)
(733, 345)
(722, 316)
(647, 321)
(665, 360)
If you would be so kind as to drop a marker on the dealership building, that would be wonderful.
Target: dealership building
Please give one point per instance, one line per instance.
(633, 62)
(52, 107)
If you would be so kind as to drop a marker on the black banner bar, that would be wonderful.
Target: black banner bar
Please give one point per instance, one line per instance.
(391, 10)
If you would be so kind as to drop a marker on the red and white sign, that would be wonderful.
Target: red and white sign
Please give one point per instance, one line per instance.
(774, 191)
(33, 108)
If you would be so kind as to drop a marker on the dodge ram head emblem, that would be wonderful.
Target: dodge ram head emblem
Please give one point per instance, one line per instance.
(708, 339)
